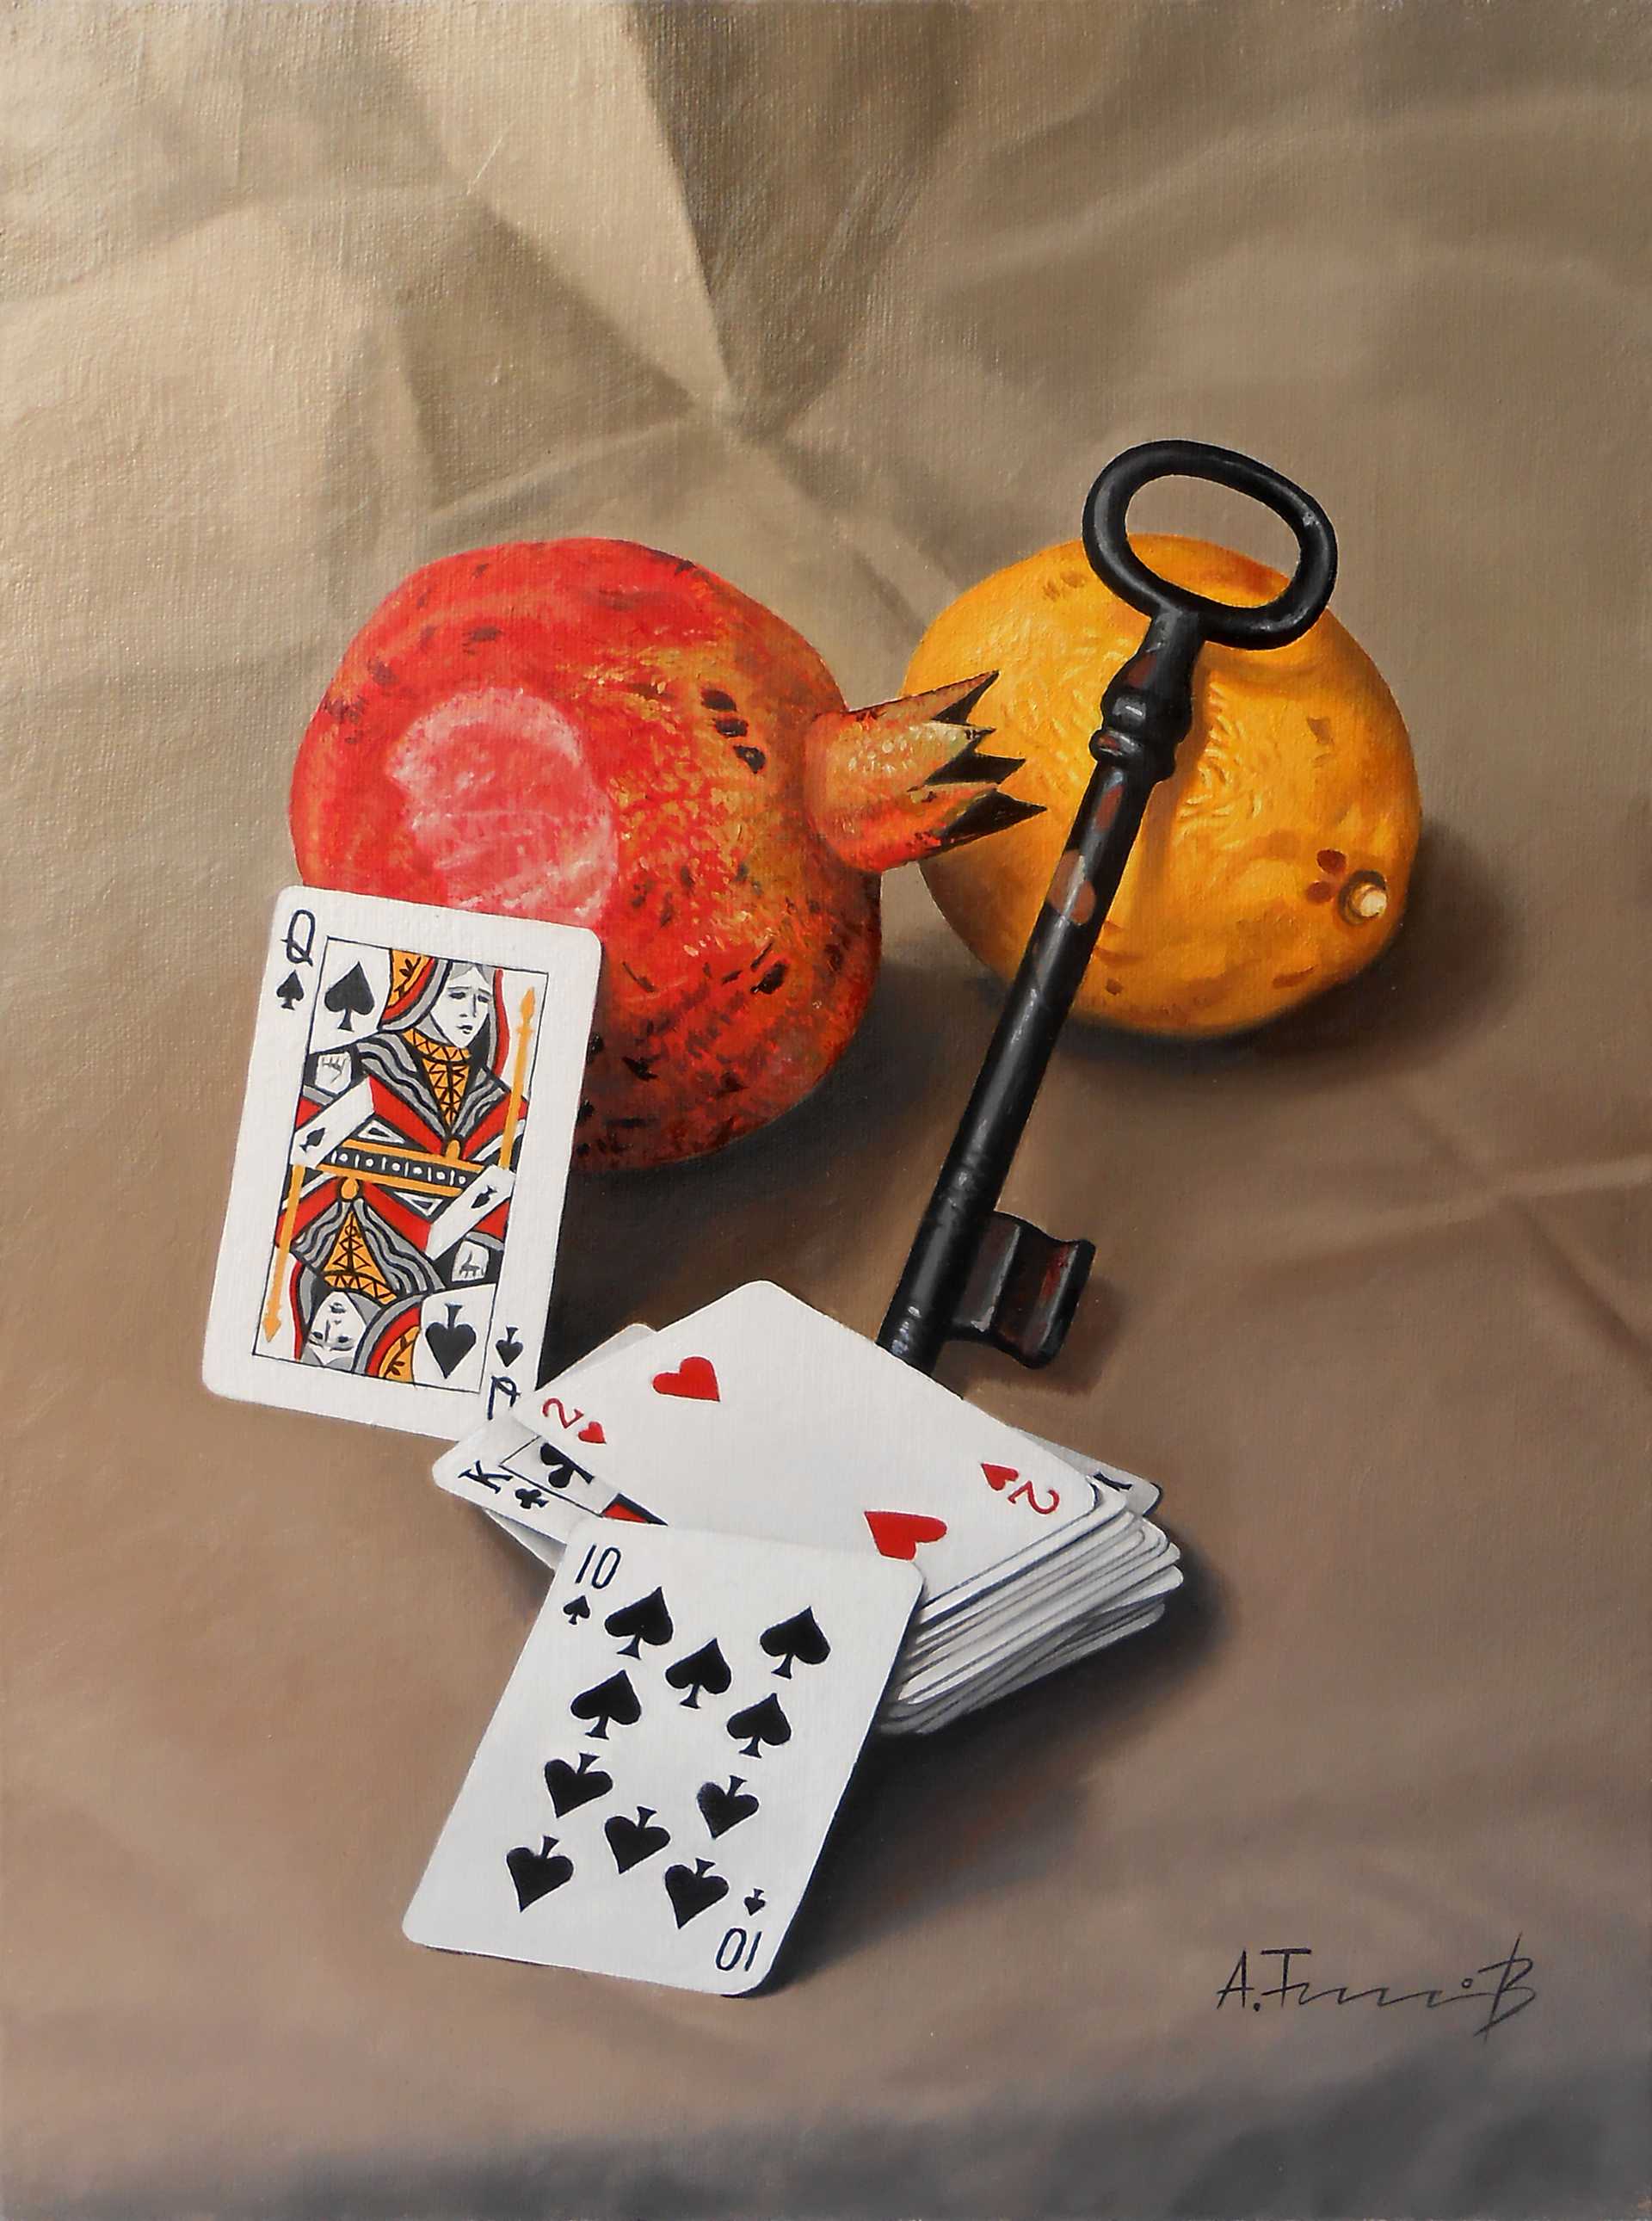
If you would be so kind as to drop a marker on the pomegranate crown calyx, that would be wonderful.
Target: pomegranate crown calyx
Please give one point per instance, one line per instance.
(904, 779)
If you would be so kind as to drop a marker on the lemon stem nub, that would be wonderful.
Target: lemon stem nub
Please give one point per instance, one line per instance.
(1365, 897)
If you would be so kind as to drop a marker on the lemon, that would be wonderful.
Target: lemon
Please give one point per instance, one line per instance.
(1274, 863)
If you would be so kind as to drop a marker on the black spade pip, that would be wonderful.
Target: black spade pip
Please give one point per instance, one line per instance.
(799, 1638)
(536, 1873)
(349, 998)
(633, 1841)
(705, 1668)
(723, 1808)
(573, 1787)
(645, 1621)
(691, 1889)
(614, 1700)
(763, 1722)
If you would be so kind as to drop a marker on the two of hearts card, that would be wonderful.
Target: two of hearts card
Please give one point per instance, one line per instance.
(765, 1535)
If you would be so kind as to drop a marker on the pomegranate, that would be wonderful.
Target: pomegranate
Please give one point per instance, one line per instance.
(596, 733)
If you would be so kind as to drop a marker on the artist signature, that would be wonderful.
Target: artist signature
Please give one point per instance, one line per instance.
(1510, 1993)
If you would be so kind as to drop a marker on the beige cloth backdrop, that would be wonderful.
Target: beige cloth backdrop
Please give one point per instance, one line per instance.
(849, 303)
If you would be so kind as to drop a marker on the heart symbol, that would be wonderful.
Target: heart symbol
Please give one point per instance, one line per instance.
(593, 1433)
(694, 1378)
(999, 1476)
(898, 1534)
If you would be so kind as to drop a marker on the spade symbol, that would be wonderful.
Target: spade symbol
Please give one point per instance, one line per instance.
(536, 1873)
(290, 992)
(612, 1699)
(764, 1723)
(579, 1610)
(723, 1808)
(798, 1637)
(645, 1621)
(756, 1901)
(449, 1343)
(691, 1889)
(705, 1668)
(633, 1841)
(509, 1347)
(573, 1787)
(350, 996)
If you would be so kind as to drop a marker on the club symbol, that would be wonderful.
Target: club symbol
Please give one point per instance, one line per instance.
(579, 1610)
(290, 992)
(798, 1637)
(509, 1346)
(691, 1889)
(723, 1808)
(451, 1343)
(349, 998)
(705, 1668)
(764, 1722)
(529, 1498)
(614, 1700)
(756, 1901)
(560, 1468)
(633, 1841)
(573, 1787)
(536, 1873)
(645, 1621)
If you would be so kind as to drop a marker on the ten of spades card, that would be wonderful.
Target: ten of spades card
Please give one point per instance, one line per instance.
(654, 1788)
(392, 1231)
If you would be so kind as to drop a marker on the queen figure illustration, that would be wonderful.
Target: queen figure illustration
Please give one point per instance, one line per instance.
(398, 1194)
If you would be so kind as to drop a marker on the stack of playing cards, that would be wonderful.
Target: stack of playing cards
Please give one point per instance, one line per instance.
(767, 1533)
(758, 1416)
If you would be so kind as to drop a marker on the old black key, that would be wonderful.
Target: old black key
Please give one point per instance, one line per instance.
(975, 1273)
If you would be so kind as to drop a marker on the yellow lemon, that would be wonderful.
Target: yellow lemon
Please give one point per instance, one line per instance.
(1273, 865)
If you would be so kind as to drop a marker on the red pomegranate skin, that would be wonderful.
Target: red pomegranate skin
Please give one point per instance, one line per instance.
(602, 734)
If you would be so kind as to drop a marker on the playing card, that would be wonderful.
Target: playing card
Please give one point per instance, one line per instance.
(760, 1416)
(524, 1484)
(653, 1791)
(392, 1231)
(1140, 1495)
